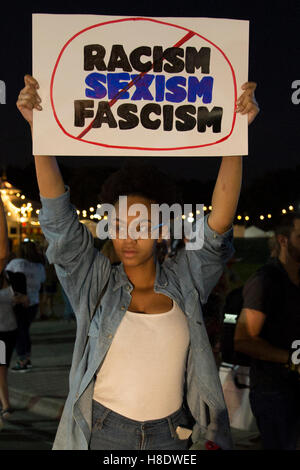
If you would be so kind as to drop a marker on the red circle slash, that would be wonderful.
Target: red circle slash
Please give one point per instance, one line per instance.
(184, 39)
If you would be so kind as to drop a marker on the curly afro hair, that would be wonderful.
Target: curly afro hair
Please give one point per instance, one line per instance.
(140, 179)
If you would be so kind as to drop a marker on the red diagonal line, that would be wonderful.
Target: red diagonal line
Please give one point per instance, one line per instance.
(185, 38)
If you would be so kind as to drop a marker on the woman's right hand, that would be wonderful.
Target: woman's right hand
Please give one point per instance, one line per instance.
(29, 98)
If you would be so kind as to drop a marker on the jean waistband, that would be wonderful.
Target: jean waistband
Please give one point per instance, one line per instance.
(100, 410)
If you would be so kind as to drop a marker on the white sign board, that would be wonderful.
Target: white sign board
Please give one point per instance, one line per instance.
(139, 86)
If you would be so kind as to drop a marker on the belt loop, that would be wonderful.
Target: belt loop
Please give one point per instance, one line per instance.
(171, 426)
(99, 421)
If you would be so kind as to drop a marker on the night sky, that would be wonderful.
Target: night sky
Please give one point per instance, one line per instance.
(274, 64)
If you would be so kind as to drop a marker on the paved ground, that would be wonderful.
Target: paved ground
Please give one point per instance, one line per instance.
(39, 395)
(28, 431)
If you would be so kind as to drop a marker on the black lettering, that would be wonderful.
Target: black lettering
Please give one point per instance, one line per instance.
(104, 115)
(135, 59)
(93, 57)
(118, 59)
(158, 57)
(195, 60)
(126, 111)
(81, 112)
(171, 55)
(184, 113)
(209, 118)
(168, 115)
(145, 116)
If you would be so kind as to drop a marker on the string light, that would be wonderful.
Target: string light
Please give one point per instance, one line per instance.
(24, 212)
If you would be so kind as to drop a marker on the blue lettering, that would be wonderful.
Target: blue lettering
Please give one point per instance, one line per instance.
(142, 87)
(93, 80)
(160, 87)
(201, 89)
(179, 88)
(116, 83)
(178, 93)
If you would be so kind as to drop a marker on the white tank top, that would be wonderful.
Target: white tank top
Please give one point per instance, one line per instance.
(142, 375)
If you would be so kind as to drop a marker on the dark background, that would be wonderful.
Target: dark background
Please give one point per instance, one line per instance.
(272, 169)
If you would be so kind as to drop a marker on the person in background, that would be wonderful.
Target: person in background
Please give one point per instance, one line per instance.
(8, 323)
(28, 263)
(274, 247)
(266, 330)
(48, 293)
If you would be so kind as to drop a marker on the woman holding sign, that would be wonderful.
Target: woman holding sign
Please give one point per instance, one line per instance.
(143, 375)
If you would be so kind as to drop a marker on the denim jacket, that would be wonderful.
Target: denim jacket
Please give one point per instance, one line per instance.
(188, 279)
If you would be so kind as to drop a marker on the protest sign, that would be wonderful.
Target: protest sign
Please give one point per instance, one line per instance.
(139, 86)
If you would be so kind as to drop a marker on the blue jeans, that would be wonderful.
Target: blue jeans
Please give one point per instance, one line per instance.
(25, 317)
(277, 414)
(112, 431)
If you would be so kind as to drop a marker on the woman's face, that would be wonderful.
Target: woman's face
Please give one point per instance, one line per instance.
(131, 249)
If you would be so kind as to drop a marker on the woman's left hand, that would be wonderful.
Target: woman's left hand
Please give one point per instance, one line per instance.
(247, 104)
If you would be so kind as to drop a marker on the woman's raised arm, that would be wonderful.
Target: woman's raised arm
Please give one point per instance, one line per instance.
(228, 185)
(50, 182)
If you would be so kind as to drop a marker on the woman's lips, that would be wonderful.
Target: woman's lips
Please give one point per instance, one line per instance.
(129, 253)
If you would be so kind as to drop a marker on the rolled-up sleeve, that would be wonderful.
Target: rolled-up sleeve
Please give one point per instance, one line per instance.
(205, 265)
(71, 246)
